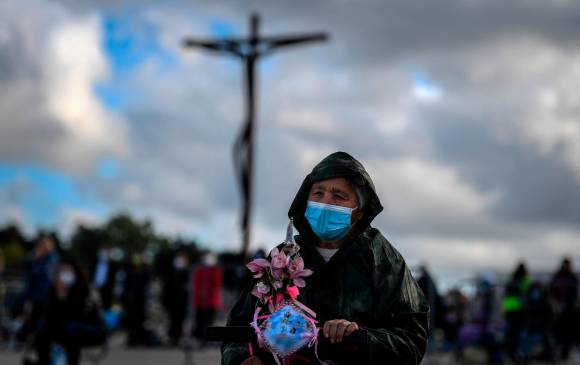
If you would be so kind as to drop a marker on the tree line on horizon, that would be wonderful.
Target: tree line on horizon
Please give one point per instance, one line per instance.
(126, 235)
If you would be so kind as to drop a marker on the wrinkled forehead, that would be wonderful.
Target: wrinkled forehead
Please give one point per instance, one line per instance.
(334, 184)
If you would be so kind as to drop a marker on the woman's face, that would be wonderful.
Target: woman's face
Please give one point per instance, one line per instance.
(336, 191)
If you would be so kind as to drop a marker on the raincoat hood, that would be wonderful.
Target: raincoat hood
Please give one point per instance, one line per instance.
(338, 164)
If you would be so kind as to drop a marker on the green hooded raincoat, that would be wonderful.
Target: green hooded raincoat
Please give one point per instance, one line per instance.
(366, 281)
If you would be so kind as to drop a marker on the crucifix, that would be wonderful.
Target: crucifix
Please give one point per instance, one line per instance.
(249, 50)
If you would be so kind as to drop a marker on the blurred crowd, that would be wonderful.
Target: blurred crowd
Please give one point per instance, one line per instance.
(521, 318)
(58, 306)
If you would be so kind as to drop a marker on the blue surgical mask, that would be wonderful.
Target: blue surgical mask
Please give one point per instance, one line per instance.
(67, 278)
(329, 222)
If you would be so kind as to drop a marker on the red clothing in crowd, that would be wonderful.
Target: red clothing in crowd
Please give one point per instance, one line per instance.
(207, 287)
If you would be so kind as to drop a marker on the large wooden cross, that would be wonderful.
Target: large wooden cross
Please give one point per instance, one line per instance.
(249, 50)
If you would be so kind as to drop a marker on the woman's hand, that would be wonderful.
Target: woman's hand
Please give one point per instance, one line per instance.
(252, 360)
(336, 329)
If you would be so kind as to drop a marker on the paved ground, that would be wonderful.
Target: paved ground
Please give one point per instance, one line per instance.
(141, 356)
(137, 356)
(120, 355)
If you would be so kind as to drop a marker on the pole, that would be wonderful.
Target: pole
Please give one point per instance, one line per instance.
(251, 112)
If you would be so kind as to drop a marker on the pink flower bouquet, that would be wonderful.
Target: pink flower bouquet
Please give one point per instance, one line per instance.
(279, 277)
(283, 325)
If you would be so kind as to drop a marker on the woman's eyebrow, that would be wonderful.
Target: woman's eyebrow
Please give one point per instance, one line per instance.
(339, 191)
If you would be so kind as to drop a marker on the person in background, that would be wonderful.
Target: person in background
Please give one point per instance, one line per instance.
(536, 341)
(564, 294)
(176, 295)
(429, 289)
(38, 276)
(135, 291)
(103, 274)
(514, 304)
(485, 313)
(207, 296)
(70, 317)
(455, 313)
(39, 269)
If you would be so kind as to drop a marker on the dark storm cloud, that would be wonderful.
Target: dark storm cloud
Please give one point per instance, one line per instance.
(27, 130)
(534, 187)
(465, 166)
(373, 31)
(378, 47)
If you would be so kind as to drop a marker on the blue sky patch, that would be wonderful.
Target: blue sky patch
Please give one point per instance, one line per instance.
(129, 41)
(47, 192)
(425, 88)
(222, 29)
(112, 97)
(108, 169)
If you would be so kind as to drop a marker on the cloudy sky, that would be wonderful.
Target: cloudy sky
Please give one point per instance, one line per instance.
(466, 114)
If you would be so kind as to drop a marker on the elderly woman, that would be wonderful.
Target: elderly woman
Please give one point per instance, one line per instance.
(360, 282)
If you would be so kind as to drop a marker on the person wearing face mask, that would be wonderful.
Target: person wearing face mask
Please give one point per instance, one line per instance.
(360, 281)
(176, 295)
(207, 294)
(71, 317)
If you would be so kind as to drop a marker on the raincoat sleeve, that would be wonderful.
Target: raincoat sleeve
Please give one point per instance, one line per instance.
(234, 353)
(400, 336)
(241, 314)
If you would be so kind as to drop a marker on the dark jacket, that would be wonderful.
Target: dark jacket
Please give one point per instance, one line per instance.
(38, 276)
(366, 281)
(75, 319)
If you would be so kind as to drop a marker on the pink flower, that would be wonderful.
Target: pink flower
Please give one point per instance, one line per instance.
(293, 291)
(278, 274)
(257, 294)
(279, 259)
(299, 282)
(295, 266)
(258, 267)
(263, 288)
(298, 272)
(260, 290)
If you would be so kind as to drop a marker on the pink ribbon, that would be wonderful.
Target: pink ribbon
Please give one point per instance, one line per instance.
(254, 324)
(305, 308)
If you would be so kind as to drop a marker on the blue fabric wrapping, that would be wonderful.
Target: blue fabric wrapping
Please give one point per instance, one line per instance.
(287, 330)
